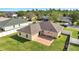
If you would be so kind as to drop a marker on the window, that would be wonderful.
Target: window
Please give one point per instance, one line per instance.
(19, 33)
(26, 35)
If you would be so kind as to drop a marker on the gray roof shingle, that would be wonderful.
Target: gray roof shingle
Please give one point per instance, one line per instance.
(31, 29)
(12, 21)
(44, 25)
(49, 26)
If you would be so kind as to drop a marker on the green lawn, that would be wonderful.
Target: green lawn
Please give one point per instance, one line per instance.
(74, 32)
(74, 35)
(15, 43)
(73, 48)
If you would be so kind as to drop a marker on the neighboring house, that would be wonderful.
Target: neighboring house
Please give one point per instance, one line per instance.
(44, 28)
(3, 18)
(10, 14)
(45, 18)
(14, 15)
(12, 23)
(66, 19)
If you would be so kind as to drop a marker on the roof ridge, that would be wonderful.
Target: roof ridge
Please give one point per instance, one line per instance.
(54, 26)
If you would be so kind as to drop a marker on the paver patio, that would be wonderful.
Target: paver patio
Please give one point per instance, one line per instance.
(44, 40)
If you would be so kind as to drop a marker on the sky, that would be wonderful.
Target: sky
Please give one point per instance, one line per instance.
(23, 9)
(19, 9)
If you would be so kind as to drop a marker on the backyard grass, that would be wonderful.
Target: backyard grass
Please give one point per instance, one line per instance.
(74, 32)
(73, 48)
(15, 43)
(74, 35)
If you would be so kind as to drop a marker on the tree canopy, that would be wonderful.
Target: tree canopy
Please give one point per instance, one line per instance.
(53, 14)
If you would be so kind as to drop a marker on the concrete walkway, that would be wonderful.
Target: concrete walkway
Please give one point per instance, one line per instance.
(66, 32)
(74, 41)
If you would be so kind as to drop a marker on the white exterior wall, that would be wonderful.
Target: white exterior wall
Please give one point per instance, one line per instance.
(8, 28)
(23, 24)
(16, 26)
(23, 35)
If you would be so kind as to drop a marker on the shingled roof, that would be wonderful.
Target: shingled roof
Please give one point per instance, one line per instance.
(12, 21)
(43, 25)
(49, 26)
(31, 29)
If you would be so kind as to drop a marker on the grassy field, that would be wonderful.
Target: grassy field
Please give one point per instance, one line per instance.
(15, 43)
(73, 48)
(74, 35)
(74, 32)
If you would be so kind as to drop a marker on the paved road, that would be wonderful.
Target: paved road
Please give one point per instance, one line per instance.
(76, 27)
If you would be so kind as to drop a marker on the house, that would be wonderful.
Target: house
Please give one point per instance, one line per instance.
(3, 18)
(12, 23)
(45, 18)
(10, 14)
(14, 15)
(66, 19)
(43, 28)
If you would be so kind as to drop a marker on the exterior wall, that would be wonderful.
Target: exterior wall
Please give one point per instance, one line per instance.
(52, 34)
(23, 35)
(34, 36)
(8, 28)
(59, 33)
(15, 26)
(23, 24)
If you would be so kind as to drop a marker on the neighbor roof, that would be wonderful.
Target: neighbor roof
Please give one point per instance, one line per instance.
(43, 25)
(12, 21)
(66, 19)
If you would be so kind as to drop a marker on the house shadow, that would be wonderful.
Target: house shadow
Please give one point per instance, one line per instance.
(46, 37)
(20, 39)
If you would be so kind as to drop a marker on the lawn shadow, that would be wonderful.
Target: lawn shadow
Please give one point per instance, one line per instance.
(20, 39)
(74, 44)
